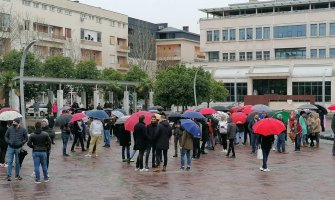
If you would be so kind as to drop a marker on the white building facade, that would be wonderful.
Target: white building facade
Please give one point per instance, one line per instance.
(282, 47)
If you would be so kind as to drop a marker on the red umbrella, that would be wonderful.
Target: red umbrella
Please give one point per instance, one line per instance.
(331, 107)
(7, 109)
(247, 109)
(77, 117)
(269, 126)
(239, 117)
(189, 110)
(207, 111)
(236, 109)
(133, 119)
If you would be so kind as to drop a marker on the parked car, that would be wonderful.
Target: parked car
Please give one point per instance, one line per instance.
(43, 110)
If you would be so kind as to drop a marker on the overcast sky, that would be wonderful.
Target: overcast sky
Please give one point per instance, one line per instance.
(177, 13)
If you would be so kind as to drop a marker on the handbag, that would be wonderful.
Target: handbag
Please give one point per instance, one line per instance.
(292, 135)
(259, 154)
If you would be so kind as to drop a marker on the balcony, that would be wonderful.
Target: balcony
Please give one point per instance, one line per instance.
(199, 58)
(122, 66)
(91, 43)
(4, 29)
(59, 37)
(123, 48)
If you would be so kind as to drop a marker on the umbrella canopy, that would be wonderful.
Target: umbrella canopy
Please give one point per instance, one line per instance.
(251, 116)
(134, 118)
(174, 117)
(189, 110)
(9, 115)
(153, 111)
(77, 117)
(191, 127)
(331, 107)
(194, 115)
(121, 110)
(269, 126)
(117, 113)
(156, 108)
(108, 109)
(220, 108)
(7, 109)
(261, 108)
(65, 108)
(97, 114)
(320, 108)
(308, 106)
(286, 115)
(63, 119)
(219, 114)
(207, 111)
(239, 117)
(236, 109)
(247, 109)
(122, 120)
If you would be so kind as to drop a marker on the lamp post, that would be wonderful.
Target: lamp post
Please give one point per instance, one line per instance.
(23, 59)
(235, 87)
(194, 85)
(324, 87)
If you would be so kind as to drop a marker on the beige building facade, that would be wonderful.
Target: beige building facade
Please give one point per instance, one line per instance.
(272, 47)
(67, 28)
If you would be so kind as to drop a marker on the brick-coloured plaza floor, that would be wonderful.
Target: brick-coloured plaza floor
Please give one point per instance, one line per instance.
(306, 175)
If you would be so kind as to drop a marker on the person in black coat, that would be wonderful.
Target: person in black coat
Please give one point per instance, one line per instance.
(151, 130)
(78, 135)
(266, 144)
(162, 137)
(204, 136)
(140, 142)
(125, 141)
(3, 144)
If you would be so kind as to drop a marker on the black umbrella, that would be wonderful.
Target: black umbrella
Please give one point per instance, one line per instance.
(63, 119)
(220, 108)
(321, 109)
(159, 108)
(174, 117)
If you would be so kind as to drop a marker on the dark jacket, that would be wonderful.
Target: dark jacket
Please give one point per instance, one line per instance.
(151, 130)
(240, 127)
(39, 141)
(50, 132)
(140, 136)
(16, 137)
(125, 136)
(333, 124)
(3, 130)
(75, 129)
(266, 141)
(204, 132)
(231, 130)
(107, 125)
(163, 134)
(251, 124)
(51, 121)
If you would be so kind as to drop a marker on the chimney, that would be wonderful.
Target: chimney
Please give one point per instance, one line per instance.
(186, 28)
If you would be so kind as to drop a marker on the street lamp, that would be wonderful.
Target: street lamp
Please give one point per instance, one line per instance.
(324, 87)
(23, 59)
(235, 87)
(194, 84)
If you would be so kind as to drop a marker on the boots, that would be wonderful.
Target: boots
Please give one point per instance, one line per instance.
(317, 145)
(164, 169)
(157, 169)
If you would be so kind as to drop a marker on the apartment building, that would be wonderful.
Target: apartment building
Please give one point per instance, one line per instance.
(67, 28)
(282, 47)
(175, 46)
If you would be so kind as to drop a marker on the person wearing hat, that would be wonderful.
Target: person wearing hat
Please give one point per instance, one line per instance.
(16, 136)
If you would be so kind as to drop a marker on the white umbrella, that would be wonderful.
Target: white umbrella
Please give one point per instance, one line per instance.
(308, 106)
(9, 115)
(122, 120)
(261, 108)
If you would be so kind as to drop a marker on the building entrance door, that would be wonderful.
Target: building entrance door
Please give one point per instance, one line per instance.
(270, 86)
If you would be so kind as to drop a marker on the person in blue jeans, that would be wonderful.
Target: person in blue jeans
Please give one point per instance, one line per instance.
(15, 136)
(66, 132)
(266, 144)
(254, 136)
(107, 129)
(40, 142)
(186, 145)
(281, 137)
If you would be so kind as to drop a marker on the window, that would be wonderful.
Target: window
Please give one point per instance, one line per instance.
(242, 56)
(266, 33)
(44, 7)
(322, 53)
(270, 86)
(232, 34)
(68, 33)
(112, 40)
(242, 89)
(232, 56)
(225, 56)
(259, 33)
(290, 53)
(26, 25)
(332, 29)
(36, 5)
(113, 23)
(67, 12)
(322, 29)
(259, 55)
(216, 35)
(314, 30)
(289, 31)
(119, 24)
(52, 8)
(249, 55)
(209, 36)
(98, 20)
(89, 35)
(266, 55)
(312, 88)
(249, 33)
(124, 26)
(213, 56)
(225, 35)
(332, 52)
(242, 34)
(26, 3)
(4, 20)
(314, 53)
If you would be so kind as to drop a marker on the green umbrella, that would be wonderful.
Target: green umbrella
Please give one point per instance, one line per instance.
(63, 119)
(286, 115)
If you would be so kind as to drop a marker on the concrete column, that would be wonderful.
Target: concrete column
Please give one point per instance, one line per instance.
(151, 99)
(111, 97)
(60, 99)
(95, 98)
(289, 88)
(83, 99)
(14, 100)
(126, 101)
(249, 85)
(332, 88)
(51, 96)
(135, 101)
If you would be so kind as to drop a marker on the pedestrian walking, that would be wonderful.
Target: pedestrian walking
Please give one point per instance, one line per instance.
(51, 134)
(54, 109)
(76, 130)
(223, 132)
(96, 131)
(196, 143)
(125, 142)
(49, 108)
(36, 107)
(162, 137)
(254, 136)
(107, 131)
(66, 132)
(186, 146)
(266, 144)
(239, 134)
(16, 136)
(177, 133)
(3, 143)
(40, 142)
(150, 131)
(204, 135)
(231, 133)
(140, 139)
(211, 131)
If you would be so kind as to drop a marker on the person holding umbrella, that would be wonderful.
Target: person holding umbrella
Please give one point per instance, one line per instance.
(125, 141)
(266, 144)
(66, 132)
(140, 139)
(77, 131)
(150, 134)
(223, 132)
(254, 136)
(186, 145)
(3, 144)
(177, 133)
(333, 129)
(96, 132)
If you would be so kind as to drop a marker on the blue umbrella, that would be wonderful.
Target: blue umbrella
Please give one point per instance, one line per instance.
(191, 127)
(194, 115)
(97, 114)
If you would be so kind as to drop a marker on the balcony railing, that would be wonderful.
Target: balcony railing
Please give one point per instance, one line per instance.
(89, 42)
(59, 37)
(123, 48)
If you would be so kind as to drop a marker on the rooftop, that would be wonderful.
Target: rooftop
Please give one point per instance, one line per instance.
(175, 30)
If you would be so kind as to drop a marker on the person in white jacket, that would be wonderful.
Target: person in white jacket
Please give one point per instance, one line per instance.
(96, 131)
(223, 132)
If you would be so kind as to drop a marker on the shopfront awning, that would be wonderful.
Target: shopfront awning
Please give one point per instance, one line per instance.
(231, 73)
(312, 70)
(269, 71)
